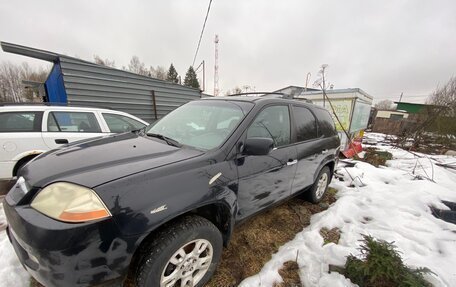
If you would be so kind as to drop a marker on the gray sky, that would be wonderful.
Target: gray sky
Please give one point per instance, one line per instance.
(383, 47)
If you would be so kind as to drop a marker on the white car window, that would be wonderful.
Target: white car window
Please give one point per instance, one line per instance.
(121, 124)
(20, 122)
(79, 122)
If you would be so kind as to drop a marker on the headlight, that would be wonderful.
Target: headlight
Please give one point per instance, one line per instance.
(70, 202)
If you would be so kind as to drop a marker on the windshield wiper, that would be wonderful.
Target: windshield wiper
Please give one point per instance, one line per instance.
(168, 140)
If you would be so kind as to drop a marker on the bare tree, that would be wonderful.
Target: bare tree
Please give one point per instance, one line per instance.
(434, 125)
(106, 62)
(137, 67)
(385, 105)
(12, 76)
(445, 97)
(235, 90)
(442, 108)
(321, 82)
(247, 88)
(159, 72)
(10, 83)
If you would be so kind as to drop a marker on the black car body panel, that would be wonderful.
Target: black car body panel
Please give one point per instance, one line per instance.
(145, 183)
(94, 162)
(67, 254)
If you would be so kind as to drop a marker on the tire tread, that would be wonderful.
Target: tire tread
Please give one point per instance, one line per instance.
(164, 237)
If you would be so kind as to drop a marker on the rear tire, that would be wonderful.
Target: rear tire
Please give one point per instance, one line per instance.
(320, 186)
(186, 252)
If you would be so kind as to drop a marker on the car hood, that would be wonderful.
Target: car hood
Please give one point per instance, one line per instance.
(96, 161)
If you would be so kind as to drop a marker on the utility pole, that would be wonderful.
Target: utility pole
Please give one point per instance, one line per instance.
(203, 64)
(400, 99)
(323, 68)
(216, 67)
(307, 80)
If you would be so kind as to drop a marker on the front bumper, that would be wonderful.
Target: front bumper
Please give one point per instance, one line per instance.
(63, 254)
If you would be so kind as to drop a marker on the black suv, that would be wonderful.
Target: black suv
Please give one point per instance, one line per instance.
(161, 202)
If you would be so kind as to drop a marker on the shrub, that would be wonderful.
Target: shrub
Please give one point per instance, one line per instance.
(380, 265)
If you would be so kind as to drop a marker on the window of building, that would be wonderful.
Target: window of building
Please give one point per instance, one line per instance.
(396, 117)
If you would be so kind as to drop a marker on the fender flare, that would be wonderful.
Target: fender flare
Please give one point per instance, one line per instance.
(323, 163)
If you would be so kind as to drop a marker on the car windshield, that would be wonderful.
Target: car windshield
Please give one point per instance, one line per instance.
(200, 124)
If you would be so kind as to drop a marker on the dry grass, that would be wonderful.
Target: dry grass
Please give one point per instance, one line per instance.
(5, 186)
(376, 157)
(253, 243)
(34, 283)
(330, 235)
(290, 275)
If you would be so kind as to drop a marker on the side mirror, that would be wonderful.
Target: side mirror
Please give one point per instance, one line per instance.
(258, 146)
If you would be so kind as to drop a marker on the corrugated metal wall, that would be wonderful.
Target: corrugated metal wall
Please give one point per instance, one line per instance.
(89, 84)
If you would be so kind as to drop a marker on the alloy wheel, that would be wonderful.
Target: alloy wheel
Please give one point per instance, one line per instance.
(321, 185)
(188, 265)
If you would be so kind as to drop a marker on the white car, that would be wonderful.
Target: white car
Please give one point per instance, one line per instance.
(29, 130)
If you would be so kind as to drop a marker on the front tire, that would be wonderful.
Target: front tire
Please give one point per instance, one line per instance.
(320, 186)
(185, 253)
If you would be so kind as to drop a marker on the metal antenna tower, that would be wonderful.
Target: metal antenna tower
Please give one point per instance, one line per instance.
(216, 78)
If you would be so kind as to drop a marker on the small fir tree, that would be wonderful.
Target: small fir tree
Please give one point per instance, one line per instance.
(172, 75)
(190, 79)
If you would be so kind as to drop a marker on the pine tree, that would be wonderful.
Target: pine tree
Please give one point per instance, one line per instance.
(172, 75)
(190, 79)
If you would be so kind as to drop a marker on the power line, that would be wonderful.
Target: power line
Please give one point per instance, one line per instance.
(216, 78)
(202, 31)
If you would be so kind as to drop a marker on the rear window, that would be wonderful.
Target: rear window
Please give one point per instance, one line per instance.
(20, 122)
(326, 124)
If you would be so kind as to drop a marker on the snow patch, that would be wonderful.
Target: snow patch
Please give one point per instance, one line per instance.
(390, 203)
(12, 273)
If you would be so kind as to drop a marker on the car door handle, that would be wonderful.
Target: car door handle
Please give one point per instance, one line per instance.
(61, 141)
(324, 151)
(292, 162)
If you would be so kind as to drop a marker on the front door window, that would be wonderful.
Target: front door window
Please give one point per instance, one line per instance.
(273, 122)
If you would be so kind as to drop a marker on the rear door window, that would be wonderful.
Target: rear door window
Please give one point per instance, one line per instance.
(20, 122)
(326, 125)
(76, 122)
(121, 124)
(306, 125)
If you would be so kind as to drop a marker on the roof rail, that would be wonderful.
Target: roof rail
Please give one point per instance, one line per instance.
(52, 104)
(32, 104)
(272, 95)
(261, 94)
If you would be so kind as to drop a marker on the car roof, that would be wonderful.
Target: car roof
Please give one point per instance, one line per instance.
(43, 107)
(264, 100)
(19, 107)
